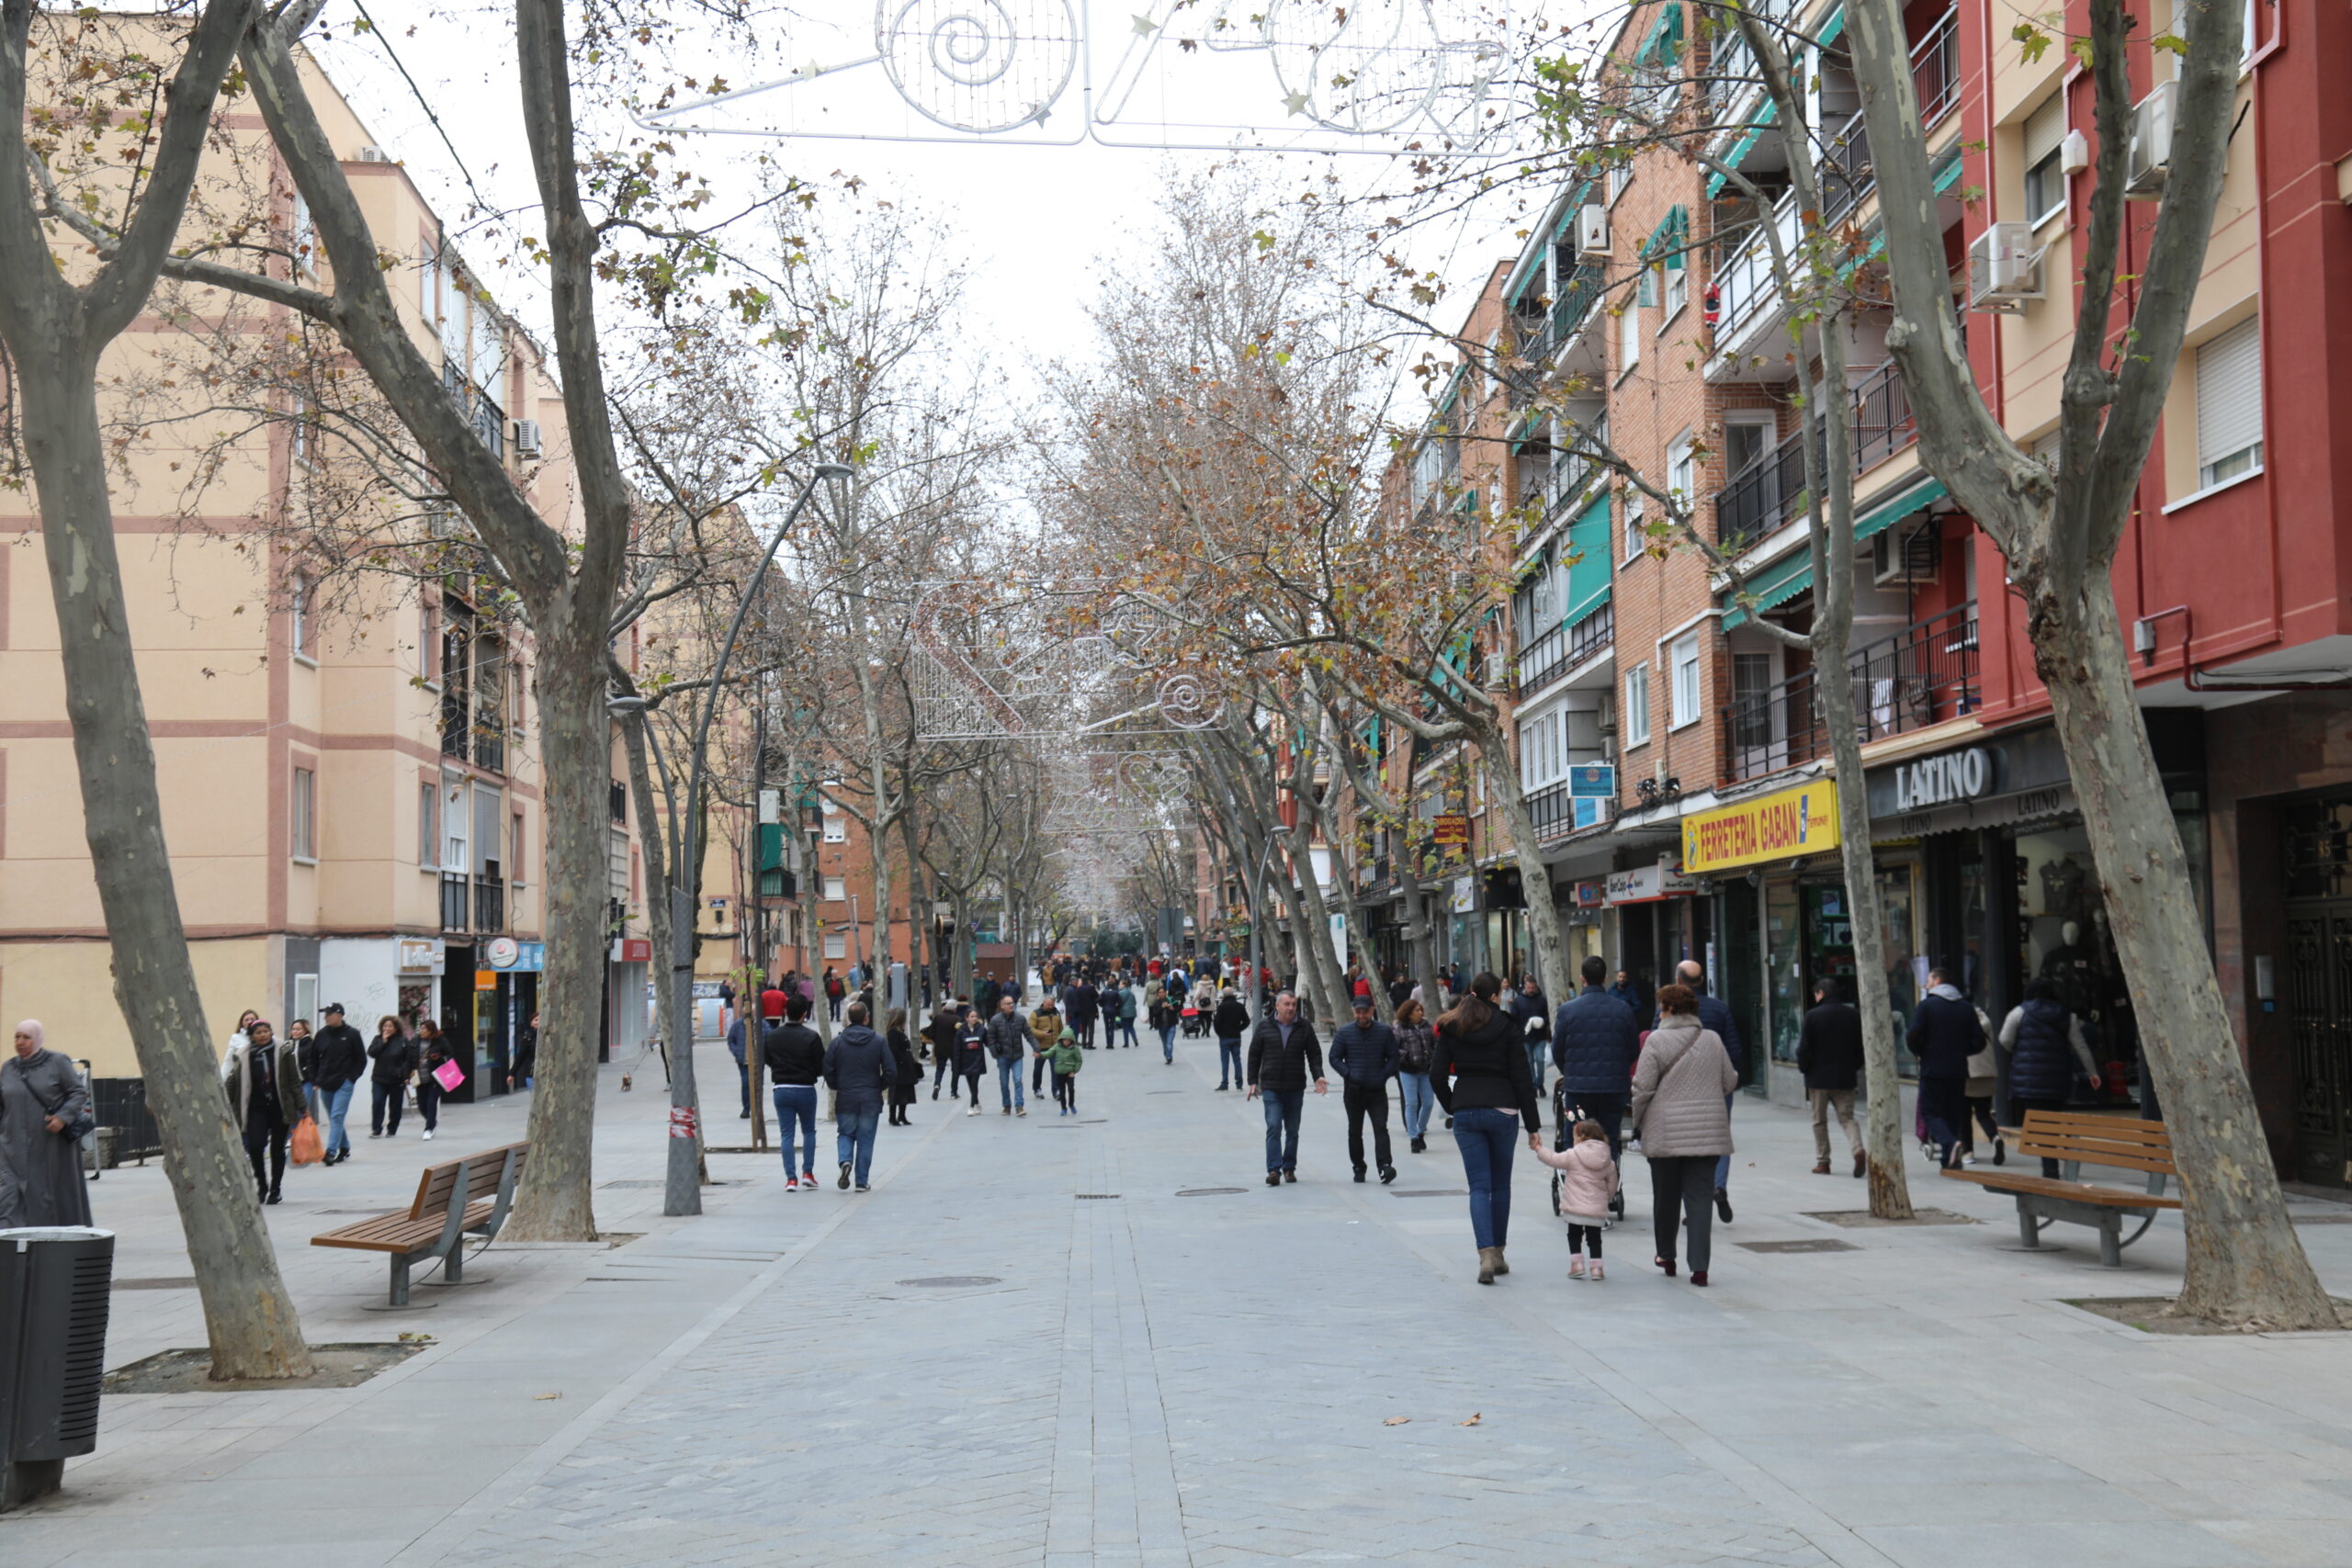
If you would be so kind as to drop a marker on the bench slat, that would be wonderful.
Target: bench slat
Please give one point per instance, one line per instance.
(395, 1232)
(2129, 1128)
(2094, 1154)
(2078, 1191)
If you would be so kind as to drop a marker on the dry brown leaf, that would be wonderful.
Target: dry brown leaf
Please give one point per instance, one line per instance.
(1474, 1419)
(546, 1396)
(1397, 1420)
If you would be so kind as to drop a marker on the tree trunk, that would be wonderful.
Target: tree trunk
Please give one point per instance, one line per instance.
(2246, 1267)
(1544, 930)
(1310, 933)
(249, 1318)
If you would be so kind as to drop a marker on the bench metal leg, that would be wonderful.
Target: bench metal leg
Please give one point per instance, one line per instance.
(2110, 1241)
(453, 1269)
(400, 1279)
(2028, 1229)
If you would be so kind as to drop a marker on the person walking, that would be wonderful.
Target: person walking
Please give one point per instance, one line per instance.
(1008, 1037)
(1589, 1181)
(1533, 1010)
(859, 1069)
(1682, 1112)
(42, 1099)
(337, 1064)
(738, 1046)
(1067, 1058)
(834, 992)
(1479, 1074)
(433, 1053)
(1125, 995)
(906, 1077)
(939, 1038)
(795, 1060)
(971, 1058)
(2045, 1044)
(1714, 1014)
(1984, 1078)
(264, 1085)
(1944, 1034)
(1229, 1021)
(1081, 1004)
(395, 1060)
(298, 1035)
(1365, 1054)
(525, 1065)
(1416, 1048)
(1595, 1041)
(1045, 1028)
(1829, 1054)
(1284, 1055)
(1165, 1016)
(237, 1037)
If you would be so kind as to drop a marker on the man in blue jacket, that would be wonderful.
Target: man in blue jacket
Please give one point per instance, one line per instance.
(858, 1066)
(1366, 1055)
(1595, 1041)
(1715, 1014)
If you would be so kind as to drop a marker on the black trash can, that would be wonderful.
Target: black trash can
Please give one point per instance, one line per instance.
(54, 1283)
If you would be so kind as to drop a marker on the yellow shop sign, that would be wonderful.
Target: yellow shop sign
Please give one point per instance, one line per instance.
(1779, 825)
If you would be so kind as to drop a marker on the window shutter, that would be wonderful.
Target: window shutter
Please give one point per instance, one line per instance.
(2044, 129)
(2229, 393)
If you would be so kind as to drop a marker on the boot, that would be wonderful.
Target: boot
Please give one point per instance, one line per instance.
(1486, 1266)
(1500, 1266)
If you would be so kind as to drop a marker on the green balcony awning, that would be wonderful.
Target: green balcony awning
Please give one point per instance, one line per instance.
(1757, 124)
(1792, 574)
(1832, 29)
(1589, 574)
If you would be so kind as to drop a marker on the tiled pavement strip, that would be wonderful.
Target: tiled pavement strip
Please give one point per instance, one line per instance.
(1161, 1380)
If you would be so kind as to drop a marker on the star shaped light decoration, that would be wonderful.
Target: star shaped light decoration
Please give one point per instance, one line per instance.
(1295, 102)
(1144, 27)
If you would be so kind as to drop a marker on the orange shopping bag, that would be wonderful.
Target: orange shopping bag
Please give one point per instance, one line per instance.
(305, 1149)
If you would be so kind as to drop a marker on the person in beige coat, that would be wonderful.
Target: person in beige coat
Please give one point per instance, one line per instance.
(1680, 1085)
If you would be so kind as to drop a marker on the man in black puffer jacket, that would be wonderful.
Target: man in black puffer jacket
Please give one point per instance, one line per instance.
(1363, 1053)
(1944, 1033)
(1595, 1041)
(1284, 1054)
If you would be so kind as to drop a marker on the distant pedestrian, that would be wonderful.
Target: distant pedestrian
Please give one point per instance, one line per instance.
(1588, 1185)
(1127, 999)
(1363, 1053)
(1165, 1016)
(1829, 1054)
(1533, 1010)
(433, 1053)
(795, 1060)
(1229, 1022)
(971, 1058)
(906, 1076)
(394, 1061)
(1284, 1054)
(1081, 1004)
(834, 992)
(1682, 1112)
(739, 1045)
(525, 1065)
(338, 1062)
(939, 1039)
(1045, 1028)
(2045, 1044)
(1008, 1036)
(1067, 1058)
(265, 1089)
(1479, 1075)
(1416, 1048)
(859, 1068)
(41, 1097)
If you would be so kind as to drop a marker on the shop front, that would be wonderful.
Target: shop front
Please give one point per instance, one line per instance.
(1660, 920)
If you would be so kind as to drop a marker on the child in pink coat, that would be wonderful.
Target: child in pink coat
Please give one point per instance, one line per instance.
(1588, 1180)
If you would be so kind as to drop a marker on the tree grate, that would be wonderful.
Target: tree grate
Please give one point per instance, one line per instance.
(1208, 1192)
(953, 1281)
(1813, 1245)
(1097, 1195)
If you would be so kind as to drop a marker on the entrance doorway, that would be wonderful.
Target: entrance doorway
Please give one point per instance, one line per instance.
(2319, 984)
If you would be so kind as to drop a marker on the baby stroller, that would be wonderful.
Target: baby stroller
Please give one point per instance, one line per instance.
(1194, 1024)
(1566, 1115)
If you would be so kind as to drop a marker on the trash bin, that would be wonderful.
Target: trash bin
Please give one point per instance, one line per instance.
(54, 1283)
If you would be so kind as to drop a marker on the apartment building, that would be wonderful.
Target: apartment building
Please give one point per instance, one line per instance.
(346, 752)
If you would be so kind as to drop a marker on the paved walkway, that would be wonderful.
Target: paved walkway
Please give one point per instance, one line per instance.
(976, 1363)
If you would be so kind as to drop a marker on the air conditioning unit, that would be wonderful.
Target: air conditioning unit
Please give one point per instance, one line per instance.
(374, 155)
(2150, 146)
(2004, 268)
(1912, 559)
(1498, 670)
(527, 438)
(1592, 232)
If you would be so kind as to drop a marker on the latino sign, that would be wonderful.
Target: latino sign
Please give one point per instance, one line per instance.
(1779, 825)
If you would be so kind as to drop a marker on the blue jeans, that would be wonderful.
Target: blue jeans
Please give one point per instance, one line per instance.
(853, 1137)
(1723, 1165)
(796, 1105)
(1168, 1040)
(1127, 1028)
(1008, 1082)
(1282, 1108)
(1538, 1056)
(1418, 1100)
(1228, 1054)
(338, 1107)
(1487, 1137)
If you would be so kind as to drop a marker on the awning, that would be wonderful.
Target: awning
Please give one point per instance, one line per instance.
(1757, 124)
(1792, 574)
(1663, 46)
(1832, 28)
(1589, 576)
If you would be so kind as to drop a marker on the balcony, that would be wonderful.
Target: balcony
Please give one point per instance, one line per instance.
(1554, 810)
(489, 903)
(1924, 674)
(1570, 309)
(1744, 283)
(1766, 495)
(1564, 647)
(1884, 424)
(1934, 68)
(1847, 175)
(456, 902)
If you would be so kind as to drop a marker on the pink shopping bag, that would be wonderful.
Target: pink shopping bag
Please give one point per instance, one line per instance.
(449, 1075)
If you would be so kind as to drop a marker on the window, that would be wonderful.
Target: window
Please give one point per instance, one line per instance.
(837, 889)
(514, 853)
(1677, 288)
(304, 430)
(2229, 405)
(457, 849)
(1746, 440)
(1751, 702)
(1629, 333)
(2045, 185)
(428, 640)
(1619, 178)
(836, 830)
(836, 945)
(306, 997)
(304, 810)
(304, 234)
(1637, 705)
(1680, 476)
(617, 879)
(1637, 537)
(428, 826)
(1685, 679)
(299, 603)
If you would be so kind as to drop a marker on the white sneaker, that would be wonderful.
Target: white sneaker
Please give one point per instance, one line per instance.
(974, 1112)
(1968, 1159)
(428, 1138)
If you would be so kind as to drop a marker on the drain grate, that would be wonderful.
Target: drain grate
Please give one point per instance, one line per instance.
(953, 1281)
(1084, 1195)
(1815, 1246)
(1429, 1192)
(166, 1282)
(1209, 1192)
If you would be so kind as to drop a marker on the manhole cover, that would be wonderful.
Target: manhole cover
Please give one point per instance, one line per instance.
(1209, 1192)
(1821, 1246)
(1429, 1192)
(169, 1282)
(953, 1281)
(1859, 1219)
(1084, 1195)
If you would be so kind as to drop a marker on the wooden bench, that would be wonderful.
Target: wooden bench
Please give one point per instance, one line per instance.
(448, 1208)
(2076, 1139)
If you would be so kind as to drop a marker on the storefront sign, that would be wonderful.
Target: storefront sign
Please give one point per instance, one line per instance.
(1940, 780)
(518, 957)
(632, 950)
(1451, 830)
(1591, 894)
(1593, 778)
(485, 980)
(2019, 778)
(421, 956)
(1648, 884)
(1779, 825)
(1464, 899)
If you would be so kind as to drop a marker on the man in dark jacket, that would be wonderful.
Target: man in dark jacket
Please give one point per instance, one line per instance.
(1008, 1037)
(1829, 1054)
(395, 1060)
(1230, 1021)
(739, 1045)
(858, 1066)
(338, 1061)
(1365, 1054)
(1081, 1003)
(1533, 1010)
(795, 1060)
(1944, 1033)
(1595, 1041)
(1715, 1014)
(1284, 1054)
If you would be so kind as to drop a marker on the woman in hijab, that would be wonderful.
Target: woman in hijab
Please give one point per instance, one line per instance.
(41, 1096)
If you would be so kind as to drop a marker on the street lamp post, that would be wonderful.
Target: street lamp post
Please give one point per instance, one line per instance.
(681, 1189)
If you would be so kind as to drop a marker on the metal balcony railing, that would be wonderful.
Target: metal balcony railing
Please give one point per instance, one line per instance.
(1847, 175)
(1553, 808)
(1935, 67)
(455, 902)
(1593, 634)
(1744, 283)
(1765, 495)
(1570, 309)
(1540, 661)
(1883, 422)
(490, 904)
(1922, 675)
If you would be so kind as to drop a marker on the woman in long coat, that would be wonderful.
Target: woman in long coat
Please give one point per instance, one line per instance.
(40, 1168)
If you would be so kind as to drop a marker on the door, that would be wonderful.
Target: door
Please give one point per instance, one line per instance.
(2319, 992)
(1742, 974)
